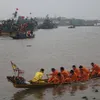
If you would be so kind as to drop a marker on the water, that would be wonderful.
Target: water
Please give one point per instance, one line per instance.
(50, 48)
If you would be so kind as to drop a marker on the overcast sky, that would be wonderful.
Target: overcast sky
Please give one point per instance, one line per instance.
(84, 9)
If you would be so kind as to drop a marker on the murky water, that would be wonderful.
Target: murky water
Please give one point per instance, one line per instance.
(50, 48)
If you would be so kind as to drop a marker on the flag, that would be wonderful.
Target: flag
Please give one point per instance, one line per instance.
(15, 68)
(16, 8)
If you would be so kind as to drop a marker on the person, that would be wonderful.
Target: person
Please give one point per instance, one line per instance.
(84, 73)
(76, 70)
(73, 76)
(95, 69)
(64, 72)
(29, 33)
(53, 75)
(38, 76)
(59, 79)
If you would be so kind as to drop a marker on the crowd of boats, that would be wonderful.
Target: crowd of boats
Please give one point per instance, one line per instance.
(18, 27)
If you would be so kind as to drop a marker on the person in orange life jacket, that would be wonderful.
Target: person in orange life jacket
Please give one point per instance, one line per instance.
(58, 79)
(84, 73)
(76, 70)
(53, 75)
(73, 76)
(64, 72)
(95, 70)
(84, 69)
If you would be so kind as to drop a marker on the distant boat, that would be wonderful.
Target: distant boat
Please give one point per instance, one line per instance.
(47, 24)
(73, 26)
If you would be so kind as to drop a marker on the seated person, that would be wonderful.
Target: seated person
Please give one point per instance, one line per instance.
(76, 70)
(59, 79)
(72, 78)
(53, 75)
(95, 70)
(64, 72)
(84, 73)
(38, 76)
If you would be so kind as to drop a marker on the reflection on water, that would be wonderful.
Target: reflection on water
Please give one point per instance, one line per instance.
(70, 88)
(39, 94)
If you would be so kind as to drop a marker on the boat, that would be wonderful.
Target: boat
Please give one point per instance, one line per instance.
(20, 82)
(73, 26)
(42, 85)
(47, 24)
(23, 36)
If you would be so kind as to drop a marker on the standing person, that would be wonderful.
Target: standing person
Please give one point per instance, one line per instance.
(95, 69)
(38, 76)
(53, 75)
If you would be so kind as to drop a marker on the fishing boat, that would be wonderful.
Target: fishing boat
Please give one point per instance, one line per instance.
(28, 84)
(23, 36)
(73, 26)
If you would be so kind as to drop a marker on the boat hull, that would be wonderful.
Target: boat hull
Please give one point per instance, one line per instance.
(33, 85)
(23, 37)
(39, 85)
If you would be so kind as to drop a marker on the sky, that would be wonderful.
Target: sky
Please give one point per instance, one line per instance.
(82, 9)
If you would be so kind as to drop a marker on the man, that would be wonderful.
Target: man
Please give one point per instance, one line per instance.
(72, 78)
(84, 73)
(59, 79)
(64, 72)
(53, 75)
(76, 70)
(38, 76)
(95, 70)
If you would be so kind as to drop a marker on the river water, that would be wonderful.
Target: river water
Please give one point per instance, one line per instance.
(50, 48)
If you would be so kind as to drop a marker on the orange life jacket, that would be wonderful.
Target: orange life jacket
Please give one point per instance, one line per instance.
(74, 77)
(65, 73)
(53, 76)
(84, 69)
(77, 71)
(84, 76)
(96, 68)
(54, 73)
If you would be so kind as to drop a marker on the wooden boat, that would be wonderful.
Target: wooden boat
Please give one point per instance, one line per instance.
(22, 36)
(38, 85)
(73, 26)
(20, 82)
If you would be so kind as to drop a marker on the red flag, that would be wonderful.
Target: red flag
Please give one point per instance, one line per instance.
(22, 17)
(16, 8)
